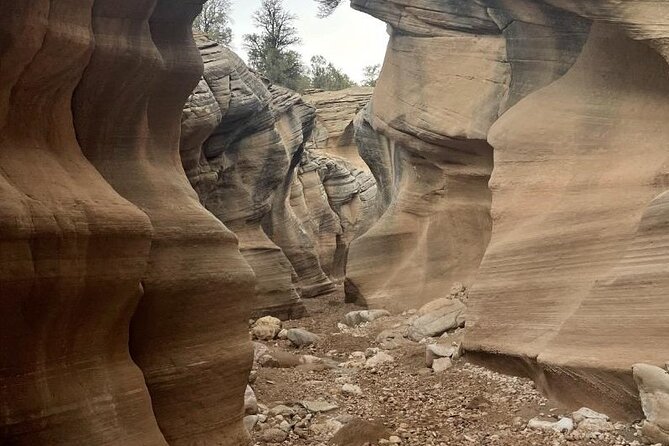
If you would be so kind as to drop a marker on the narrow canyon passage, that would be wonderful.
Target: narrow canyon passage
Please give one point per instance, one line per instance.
(471, 250)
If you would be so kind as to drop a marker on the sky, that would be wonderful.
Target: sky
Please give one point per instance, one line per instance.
(351, 40)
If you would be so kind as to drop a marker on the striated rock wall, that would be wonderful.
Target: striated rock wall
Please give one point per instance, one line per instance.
(334, 131)
(294, 209)
(430, 157)
(100, 225)
(568, 100)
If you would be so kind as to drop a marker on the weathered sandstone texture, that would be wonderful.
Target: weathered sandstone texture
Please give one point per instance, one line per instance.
(653, 384)
(334, 130)
(99, 223)
(571, 99)
(294, 210)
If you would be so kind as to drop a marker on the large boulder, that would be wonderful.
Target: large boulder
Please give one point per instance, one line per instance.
(436, 318)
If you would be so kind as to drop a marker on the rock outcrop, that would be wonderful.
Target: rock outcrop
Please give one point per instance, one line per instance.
(569, 101)
(334, 130)
(293, 209)
(100, 225)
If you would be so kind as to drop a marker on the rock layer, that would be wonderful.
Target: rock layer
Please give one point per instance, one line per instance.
(334, 131)
(99, 223)
(72, 251)
(294, 209)
(571, 98)
(432, 161)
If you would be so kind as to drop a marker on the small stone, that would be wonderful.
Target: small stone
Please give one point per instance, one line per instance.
(284, 426)
(391, 339)
(595, 425)
(281, 410)
(442, 364)
(319, 406)
(435, 351)
(371, 352)
(379, 359)
(565, 425)
(309, 359)
(435, 318)
(300, 338)
(584, 413)
(273, 435)
(266, 328)
(250, 422)
(250, 401)
(394, 439)
(358, 317)
(351, 389)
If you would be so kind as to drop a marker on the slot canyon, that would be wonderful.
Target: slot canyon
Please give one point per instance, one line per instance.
(473, 251)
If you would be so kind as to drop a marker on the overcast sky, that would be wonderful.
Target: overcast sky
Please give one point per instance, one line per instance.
(349, 39)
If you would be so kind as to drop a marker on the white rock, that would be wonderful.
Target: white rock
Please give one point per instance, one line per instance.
(379, 359)
(593, 425)
(435, 351)
(565, 425)
(585, 413)
(435, 318)
(250, 422)
(653, 384)
(283, 334)
(310, 359)
(441, 364)
(358, 317)
(319, 406)
(394, 439)
(284, 426)
(250, 401)
(351, 389)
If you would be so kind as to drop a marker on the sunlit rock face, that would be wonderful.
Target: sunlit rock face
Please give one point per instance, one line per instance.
(568, 101)
(100, 226)
(283, 172)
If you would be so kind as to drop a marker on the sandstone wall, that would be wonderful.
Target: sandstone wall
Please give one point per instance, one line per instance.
(294, 209)
(568, 100)
(334, 131)
(99, 223)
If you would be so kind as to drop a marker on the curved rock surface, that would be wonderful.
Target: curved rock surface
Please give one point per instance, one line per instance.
(570, 99)
(99, 223)
(294, 210)
(334, 131)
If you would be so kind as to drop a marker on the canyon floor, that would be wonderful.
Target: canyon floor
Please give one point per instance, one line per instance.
(400, 401)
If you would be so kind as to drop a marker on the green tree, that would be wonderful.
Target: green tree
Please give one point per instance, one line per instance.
(325, 76)
(269, 50)
(214, 21)
(371, 74)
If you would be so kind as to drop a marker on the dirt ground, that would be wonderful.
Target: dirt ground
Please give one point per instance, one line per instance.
(464, 405)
